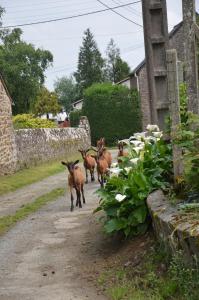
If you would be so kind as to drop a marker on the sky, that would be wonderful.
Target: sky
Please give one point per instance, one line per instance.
(64, 38)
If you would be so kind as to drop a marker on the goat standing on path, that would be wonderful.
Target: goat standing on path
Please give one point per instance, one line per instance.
(107, 155)
(102, 166)
(121, 151)
(76, 181)
(89, 164)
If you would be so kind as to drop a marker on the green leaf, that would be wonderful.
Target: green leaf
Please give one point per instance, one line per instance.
(115, 225)
(140, 214)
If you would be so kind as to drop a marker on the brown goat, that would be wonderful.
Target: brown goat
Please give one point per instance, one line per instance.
(121, 151)
(107, 155)
(102, 166)
(76, 181)
(101, 143)
(89, 164)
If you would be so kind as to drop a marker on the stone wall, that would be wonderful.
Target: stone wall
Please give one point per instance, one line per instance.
(172, 229)
(7, 142)
(35, 146)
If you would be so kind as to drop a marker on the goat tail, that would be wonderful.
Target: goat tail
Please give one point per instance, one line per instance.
(64, 163)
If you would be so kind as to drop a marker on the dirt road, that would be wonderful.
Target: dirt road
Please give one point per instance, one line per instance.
(45, 256)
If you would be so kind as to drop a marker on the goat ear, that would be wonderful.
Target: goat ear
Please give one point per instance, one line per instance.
(64, 163)
(76, 162)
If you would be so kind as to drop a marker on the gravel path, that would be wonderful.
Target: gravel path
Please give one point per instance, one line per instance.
(12, 201)
(49, 255)
(44, 256)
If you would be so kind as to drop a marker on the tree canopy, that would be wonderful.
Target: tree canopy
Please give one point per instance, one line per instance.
(67, 91)
(116, 69)
(23, 67)
(46, 102)
(90, 63)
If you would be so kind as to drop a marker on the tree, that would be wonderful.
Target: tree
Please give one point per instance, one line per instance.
(113, 112)
(90, 63)
(23, 67)
(46, 102)
(116, 69)
(67, 91)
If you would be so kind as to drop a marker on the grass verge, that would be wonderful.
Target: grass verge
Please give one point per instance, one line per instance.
(24, 177)
(155, 276)
(7, 222)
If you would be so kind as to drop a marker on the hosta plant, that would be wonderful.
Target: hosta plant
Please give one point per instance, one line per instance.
(147, 167)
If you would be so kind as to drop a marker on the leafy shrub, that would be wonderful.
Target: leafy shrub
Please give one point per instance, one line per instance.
(75, 117)
(29, 121)
(183, 103)
(113, 112)
(147, 167)
(187, 137)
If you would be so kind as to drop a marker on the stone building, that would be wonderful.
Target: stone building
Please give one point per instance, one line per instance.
(8, 156)
(138, 78)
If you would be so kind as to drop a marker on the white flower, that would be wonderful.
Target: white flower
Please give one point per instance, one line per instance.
(120, 197)
(134, 160)
(128, 169)
(140, 136)
(150, 139)
(138, 149)
(114, 165)
(115, 171)
(153, 128)
(157, 134)
(135, 143)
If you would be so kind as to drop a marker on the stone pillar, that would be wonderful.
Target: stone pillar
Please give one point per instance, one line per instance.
(190, 55)
(174, 101)
(156, 42)
(8, 155)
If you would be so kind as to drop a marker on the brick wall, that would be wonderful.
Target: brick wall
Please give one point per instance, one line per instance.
(7, 142)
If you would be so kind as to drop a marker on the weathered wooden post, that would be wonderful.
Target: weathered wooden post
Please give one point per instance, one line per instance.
(174, 105)
(190, 54)
(156, 42)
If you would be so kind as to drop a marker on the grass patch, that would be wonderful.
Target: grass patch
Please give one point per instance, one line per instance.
(7, 222)
(157, 277)
(24, 177)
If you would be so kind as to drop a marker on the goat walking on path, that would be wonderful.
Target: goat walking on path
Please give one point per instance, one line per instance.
(89, 164)
(121, 152)
(102, 166)
(101, 147)
(75, 181)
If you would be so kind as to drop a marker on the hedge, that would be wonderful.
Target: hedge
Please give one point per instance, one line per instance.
(29, 121)
(75, 117)
(113, 112)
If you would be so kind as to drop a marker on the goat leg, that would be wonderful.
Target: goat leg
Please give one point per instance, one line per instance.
(82, 190)
(93, 175)
(72, 206)
(86, 175)
(77, 200)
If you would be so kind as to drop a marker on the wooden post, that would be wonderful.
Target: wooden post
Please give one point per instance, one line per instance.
(174, 101)
(190, 54)
(156, 42)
